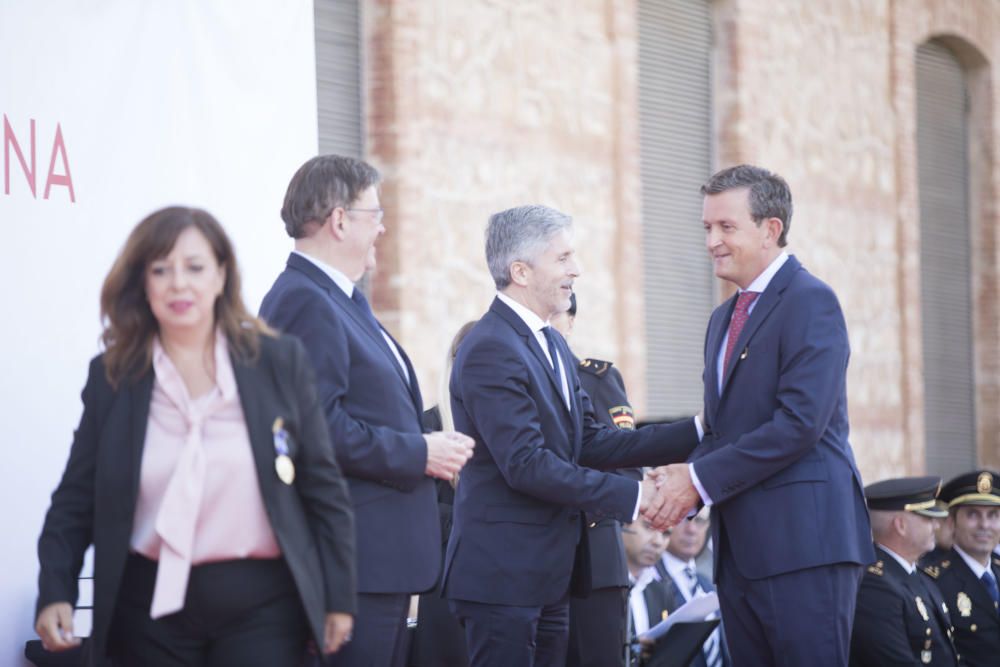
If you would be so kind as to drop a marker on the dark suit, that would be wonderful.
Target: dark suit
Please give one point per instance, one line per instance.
(96, 498)
(977, 624)
(374, 418)
(597, 631)
(901, 619)
(676, 597)
(789, 522)
(518, 535)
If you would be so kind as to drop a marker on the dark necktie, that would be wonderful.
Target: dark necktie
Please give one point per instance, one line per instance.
(550, 338)
(358, 297)
(991, 587)
(740, 316)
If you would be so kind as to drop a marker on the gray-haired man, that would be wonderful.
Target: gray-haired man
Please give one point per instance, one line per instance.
(518, 544)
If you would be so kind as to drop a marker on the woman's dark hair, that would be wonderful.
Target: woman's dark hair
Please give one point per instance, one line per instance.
(129, 325)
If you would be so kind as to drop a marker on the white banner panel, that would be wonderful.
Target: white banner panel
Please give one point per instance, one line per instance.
(111, 110)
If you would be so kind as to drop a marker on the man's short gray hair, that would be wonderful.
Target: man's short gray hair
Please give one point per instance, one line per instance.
(520, 234)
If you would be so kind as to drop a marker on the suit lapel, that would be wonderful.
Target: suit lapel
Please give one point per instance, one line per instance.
(346, 305)
(765, 304)
(718, 330)
(139, 396)
(251, 383)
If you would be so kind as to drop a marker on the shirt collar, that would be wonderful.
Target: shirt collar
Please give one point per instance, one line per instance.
(342, 281)
(225, 379)
(534, 322)
(977, 568)
(761, 282)
(903, 563)
(675, 566)
(646, 577)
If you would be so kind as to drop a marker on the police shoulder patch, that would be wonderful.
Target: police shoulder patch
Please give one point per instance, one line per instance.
(596, 367)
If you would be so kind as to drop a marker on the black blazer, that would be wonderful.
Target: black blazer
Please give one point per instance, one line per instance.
(95, 500)
(373, 416)
(977, 625)
(900, 619)
(517, 520)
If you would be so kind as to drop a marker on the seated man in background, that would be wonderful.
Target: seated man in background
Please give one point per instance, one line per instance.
(649, 600)
(678, 570)
(900, 618)
(967, 576)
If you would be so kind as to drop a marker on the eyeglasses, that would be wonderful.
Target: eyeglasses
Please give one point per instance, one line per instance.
(377, 213)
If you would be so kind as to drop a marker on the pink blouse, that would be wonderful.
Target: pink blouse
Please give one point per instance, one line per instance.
(199, 497)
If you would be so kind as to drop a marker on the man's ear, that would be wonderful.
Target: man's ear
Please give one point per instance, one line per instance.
(338, 222)
(519, 272)
(774, 227)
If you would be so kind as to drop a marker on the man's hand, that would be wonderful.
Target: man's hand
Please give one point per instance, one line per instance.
(447, 453)
(675, 496)
(55, 627)
(337, 631)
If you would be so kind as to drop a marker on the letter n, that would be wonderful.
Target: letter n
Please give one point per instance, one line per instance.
(10, 140)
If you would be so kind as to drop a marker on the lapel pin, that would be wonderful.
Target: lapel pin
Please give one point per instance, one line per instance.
(282, 461)
(745, 353)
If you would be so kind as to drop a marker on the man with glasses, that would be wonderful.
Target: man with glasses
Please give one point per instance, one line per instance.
(370, 394)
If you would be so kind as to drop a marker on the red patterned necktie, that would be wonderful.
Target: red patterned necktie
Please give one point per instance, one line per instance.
(740, 316)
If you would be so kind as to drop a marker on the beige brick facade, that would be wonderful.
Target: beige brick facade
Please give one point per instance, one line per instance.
(478, 105)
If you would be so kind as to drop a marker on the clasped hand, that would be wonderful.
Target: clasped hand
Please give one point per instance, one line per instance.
(447, 453)
(668, 495)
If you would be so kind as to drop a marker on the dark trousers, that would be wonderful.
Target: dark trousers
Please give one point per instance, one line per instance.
(379, 636)
(793, 619)
(242, 612)
(503, 636)
(597, 628)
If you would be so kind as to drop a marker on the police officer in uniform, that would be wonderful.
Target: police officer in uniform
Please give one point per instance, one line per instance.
(901, 618)
(597, 623)
(968, 574)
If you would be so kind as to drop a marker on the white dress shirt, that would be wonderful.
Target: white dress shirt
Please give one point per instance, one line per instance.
(636, 599)
(903, 563)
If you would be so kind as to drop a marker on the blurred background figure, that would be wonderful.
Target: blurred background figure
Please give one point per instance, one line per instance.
(967, 575)
(900, 617)
(648, 599)
(679, 571)
(597, 623)
(201, 471)
(439, 639)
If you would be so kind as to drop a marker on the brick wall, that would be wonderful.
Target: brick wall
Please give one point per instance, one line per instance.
(478, 105)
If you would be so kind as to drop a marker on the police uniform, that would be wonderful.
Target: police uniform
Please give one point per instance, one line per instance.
(900, 617)
(598, 622)
(973, 612)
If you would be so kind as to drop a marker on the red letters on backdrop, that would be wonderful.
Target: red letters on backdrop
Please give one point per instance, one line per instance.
(64, 178)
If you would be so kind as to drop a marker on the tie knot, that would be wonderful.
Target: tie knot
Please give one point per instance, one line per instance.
(745, 299)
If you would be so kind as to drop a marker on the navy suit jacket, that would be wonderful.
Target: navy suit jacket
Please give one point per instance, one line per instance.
(778, 466)
(374, 418)
(95, 500)
(517, 520)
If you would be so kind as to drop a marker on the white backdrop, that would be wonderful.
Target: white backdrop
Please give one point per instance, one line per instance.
(209, 103)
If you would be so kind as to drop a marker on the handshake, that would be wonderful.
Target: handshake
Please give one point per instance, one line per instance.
(668, 495)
